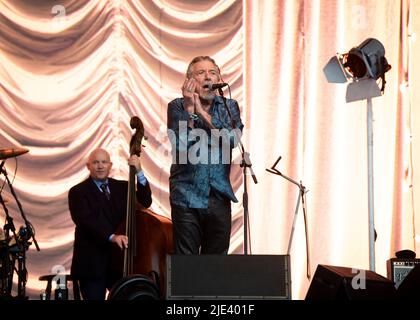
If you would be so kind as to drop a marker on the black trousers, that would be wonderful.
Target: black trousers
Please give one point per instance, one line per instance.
(95, 288)
(202, 231)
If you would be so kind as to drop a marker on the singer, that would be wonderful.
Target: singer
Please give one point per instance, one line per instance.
(201, 193)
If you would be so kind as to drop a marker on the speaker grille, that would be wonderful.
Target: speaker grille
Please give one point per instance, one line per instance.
(228, 276)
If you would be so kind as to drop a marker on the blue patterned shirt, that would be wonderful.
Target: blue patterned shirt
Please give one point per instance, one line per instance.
(201, 157)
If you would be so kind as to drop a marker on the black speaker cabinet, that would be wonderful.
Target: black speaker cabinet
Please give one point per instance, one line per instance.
(228, 277)
(410, 286)
(341, 283)
(398, 268)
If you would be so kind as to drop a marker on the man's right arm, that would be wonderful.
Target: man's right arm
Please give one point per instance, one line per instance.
(84, 218)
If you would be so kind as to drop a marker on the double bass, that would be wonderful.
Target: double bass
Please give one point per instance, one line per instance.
(149, 241)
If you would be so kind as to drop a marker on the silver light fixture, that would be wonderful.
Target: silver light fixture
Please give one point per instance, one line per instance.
(361, 67)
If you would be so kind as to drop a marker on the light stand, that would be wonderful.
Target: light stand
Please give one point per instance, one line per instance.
(301, 198)
(362, 66)
(245, 164)
(370, 186)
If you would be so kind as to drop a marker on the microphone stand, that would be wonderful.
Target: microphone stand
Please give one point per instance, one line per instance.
(245, 164)
(28, 225)
(301, 198)
(22, 241)
(7, 278)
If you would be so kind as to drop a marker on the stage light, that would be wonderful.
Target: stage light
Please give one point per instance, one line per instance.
(367, 59)
(361, 67)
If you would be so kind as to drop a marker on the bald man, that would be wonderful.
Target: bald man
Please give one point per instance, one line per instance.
(98, 206)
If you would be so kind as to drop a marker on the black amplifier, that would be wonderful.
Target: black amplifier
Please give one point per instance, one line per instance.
(398, 268)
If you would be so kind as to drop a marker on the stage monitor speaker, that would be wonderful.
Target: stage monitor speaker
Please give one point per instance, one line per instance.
(399, 268)
(341, 283)
(228, 277)
(410, 286)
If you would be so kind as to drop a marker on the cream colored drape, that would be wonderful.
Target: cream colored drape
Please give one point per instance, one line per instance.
(72, 75)
(295, 113)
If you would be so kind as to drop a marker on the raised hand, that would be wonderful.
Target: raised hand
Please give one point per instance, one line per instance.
(188, 89)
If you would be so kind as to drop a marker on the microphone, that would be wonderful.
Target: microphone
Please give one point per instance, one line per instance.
(215, 86)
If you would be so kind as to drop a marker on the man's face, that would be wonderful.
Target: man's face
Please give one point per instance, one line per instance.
(99, 164)
(205, 72)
